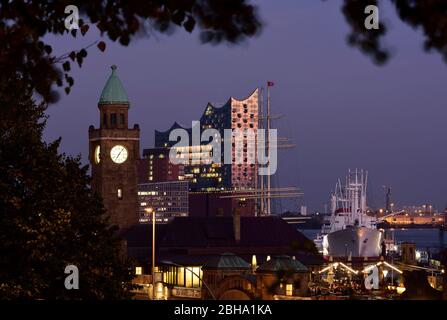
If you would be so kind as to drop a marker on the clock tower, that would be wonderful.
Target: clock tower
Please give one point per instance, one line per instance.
(114, 154)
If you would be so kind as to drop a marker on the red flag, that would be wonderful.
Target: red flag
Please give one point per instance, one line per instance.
(270, 84)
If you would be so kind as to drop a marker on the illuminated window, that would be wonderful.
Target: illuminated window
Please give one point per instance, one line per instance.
(120, 193)
(188, 282)
(181, 276)
(289, 289)
(196, 280)
(138, 271)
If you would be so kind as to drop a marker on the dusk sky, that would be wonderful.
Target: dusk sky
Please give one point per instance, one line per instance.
(340, 109)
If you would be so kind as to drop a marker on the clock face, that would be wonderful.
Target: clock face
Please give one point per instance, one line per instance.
(97, 154)
(118, 154)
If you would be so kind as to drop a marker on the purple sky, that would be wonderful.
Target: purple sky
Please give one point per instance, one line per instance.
(340, 109)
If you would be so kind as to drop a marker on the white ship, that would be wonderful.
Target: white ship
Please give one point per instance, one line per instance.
(349, 232)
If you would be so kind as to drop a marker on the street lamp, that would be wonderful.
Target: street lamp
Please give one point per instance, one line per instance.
(192, 271)
(152, 211)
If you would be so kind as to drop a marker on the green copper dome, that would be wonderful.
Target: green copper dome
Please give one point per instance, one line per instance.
(226, 261)
(113, 92)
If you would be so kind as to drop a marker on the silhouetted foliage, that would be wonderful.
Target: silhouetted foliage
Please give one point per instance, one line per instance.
(430, 16)
(49, 216)
(27, 58)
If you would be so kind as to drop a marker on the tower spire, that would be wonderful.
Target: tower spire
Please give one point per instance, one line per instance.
(113, 91)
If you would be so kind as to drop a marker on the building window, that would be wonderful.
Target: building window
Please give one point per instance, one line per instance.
(181, 277)
(122, 119)
(138, 271)
(289, 289)
(104, 119)
(120, 193)
(113, 119)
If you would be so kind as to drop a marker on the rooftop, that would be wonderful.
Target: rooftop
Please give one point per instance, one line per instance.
(196, 240)
(226, 261)
(113, 92)
(282, 263)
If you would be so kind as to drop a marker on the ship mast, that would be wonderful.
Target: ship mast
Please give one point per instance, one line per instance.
(269, 200)
(261, 179)
(264, 193)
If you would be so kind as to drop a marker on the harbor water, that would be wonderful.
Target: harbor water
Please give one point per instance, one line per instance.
(429, 238)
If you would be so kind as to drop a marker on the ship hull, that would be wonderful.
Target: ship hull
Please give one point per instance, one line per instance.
(355, 242)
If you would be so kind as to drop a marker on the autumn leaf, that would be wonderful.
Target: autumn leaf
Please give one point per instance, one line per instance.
(101, 46)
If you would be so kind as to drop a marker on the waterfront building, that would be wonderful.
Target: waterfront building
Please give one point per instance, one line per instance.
(420, 219)
(234, 114)
(156, 167)
(282, 277)
(229, 277)
(169, 199)
(219, 204)
(425, 209)
(186, 245)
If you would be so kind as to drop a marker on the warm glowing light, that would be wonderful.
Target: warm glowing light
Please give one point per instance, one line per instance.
(289, 289)
(159, 291)
(392, 267)
(149, 210)
(367, 269)
(418, 255)
(325, 269)
(348, 268)
(254, 262)
(400, 290)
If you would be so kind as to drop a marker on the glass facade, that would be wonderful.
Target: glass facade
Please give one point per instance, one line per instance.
(234, 114)
(188, 277)
(167, 199)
